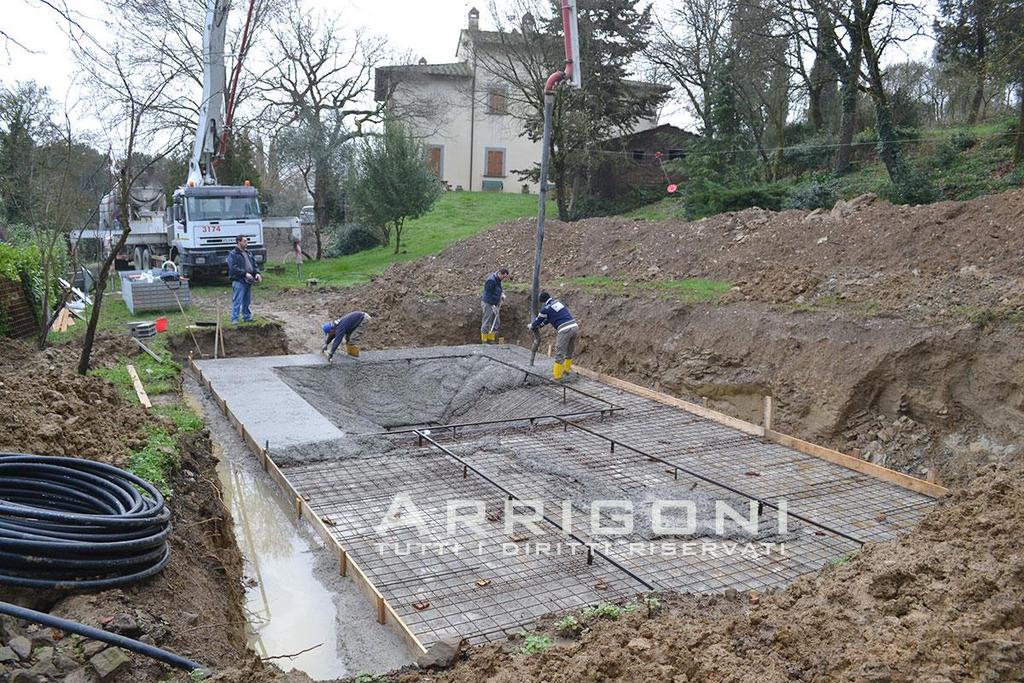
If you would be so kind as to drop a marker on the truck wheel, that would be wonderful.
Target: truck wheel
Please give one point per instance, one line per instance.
(183, 270)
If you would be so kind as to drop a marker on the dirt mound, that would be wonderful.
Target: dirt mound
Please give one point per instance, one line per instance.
(892, 332)
(57, 412)
(943, 604)
(922, 262)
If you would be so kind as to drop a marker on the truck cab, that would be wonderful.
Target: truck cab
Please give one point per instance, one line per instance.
(204, 222)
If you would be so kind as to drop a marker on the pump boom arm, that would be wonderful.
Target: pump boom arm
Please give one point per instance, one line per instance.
(211, 107)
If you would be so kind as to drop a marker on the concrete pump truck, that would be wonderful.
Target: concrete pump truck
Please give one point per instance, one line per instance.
(199, 228)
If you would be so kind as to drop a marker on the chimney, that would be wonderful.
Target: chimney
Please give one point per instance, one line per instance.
(474, 19)
(529, 23)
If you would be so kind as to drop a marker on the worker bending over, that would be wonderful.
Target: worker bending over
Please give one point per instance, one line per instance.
(344, 329)
(557, 314)
(490, 306)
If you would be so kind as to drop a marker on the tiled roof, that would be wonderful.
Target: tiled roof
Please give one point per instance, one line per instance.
(452, 69)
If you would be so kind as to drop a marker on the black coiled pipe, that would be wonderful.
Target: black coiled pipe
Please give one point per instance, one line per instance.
(69, 523)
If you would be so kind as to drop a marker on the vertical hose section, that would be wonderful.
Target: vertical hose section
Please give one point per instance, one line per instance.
(75, 524)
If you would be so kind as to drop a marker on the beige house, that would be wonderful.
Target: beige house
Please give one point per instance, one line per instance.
(465, 113)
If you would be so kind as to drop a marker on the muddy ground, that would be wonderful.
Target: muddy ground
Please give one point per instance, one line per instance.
(891, 332)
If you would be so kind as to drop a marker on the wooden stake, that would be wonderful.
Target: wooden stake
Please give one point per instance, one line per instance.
(146, 349)
(343, 567)
(140, 391)
(766, 422)
(382, 613)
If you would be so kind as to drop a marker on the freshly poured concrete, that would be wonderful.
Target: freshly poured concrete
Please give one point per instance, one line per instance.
(350, 473)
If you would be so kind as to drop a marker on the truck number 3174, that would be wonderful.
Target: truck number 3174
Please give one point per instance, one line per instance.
(211, 228)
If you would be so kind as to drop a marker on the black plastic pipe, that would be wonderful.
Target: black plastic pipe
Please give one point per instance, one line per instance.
(99, 634)
(71, 523)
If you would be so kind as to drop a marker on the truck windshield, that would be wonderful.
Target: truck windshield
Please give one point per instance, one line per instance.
(222, 208)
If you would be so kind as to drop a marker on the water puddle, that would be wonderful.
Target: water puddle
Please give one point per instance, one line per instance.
(290, 608)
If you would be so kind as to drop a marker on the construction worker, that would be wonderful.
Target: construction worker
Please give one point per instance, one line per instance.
(557, 314)
(490, 305)
(344, 328)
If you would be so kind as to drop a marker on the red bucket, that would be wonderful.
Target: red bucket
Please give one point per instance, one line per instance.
(161, 324)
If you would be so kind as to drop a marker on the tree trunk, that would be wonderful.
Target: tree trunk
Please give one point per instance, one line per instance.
(319, 210)
(44, 314)
(979, 95)
(888, 147)
(848, 116)
(398, 235)
(101, 281)
(1018, 151)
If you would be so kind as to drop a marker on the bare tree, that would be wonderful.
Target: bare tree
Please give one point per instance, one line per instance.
(319, 82)
(128, 100)
(691, 46)
(166, 36)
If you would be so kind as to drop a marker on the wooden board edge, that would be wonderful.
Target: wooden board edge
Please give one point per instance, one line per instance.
(858, 465)
(140, 390)
(713, 415)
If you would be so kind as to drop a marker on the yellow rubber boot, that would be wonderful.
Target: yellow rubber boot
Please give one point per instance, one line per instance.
(352, 350)
(492, 338)
(484, 337)
(568, 365)
(557, 369)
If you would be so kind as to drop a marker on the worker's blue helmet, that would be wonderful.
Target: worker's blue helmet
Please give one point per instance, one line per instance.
(327, 328)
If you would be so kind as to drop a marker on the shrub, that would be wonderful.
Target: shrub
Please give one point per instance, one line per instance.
(569, 626)
(817, 193)
(1016, 176)
(706, 198)
(605, 610)
(962, 141)
(946, 155)
(911, 187)
(352, 238)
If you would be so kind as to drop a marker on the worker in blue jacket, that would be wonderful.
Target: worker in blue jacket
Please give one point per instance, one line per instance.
(557, 314)
(243, 273)
(490, 306)
(344, 329)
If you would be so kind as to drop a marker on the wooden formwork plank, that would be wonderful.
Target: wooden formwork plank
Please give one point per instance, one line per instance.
(701, 411)
(863, 466)
(806, 447)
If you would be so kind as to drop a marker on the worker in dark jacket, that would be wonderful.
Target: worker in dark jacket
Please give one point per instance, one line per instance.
(243, 273)
(344, 329)
(557, 314)
(490, 306)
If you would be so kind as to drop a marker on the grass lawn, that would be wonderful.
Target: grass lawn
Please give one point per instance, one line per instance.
(455, 216)
(691, 290)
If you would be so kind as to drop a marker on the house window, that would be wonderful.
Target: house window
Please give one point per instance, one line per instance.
(495, 162)
(638, 154)
(497, 100)
(435, 159)
(675, 154)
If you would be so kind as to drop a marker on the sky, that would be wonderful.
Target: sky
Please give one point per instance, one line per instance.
(421, 28)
